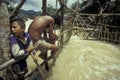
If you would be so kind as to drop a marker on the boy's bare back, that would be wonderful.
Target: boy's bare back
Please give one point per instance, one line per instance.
(39, 25)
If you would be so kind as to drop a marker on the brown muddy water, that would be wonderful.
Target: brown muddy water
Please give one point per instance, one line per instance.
(87, 60)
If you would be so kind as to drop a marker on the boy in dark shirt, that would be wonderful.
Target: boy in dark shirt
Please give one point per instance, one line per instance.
(21, 45)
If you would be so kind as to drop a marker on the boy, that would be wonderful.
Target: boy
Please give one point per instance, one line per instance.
(21, 44)
(39, 25)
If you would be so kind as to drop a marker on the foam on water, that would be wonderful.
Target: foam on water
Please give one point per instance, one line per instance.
(87, 60)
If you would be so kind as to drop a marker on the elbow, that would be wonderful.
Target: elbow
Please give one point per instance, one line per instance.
(15, 55)
(18, 54)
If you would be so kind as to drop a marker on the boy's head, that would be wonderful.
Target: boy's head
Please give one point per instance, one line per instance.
(19, 21)
(17, 26)
(57, 19)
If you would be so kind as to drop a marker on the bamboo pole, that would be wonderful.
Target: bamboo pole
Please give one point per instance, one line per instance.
(42, 72)
(10, 62)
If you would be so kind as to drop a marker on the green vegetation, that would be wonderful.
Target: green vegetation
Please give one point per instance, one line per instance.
(74, 5)
(50, 9)
(10, 6)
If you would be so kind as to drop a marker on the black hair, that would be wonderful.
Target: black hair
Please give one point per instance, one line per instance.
(19, 21)
(57, 19)
(1, 78)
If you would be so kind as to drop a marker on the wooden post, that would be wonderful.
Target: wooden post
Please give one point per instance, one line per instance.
(56, 4)
(44, 12)
(44, 7)
(100, 26)
(5, 74)
(62, 14)
(77, 7)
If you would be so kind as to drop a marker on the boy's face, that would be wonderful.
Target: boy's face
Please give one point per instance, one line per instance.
(16, 29)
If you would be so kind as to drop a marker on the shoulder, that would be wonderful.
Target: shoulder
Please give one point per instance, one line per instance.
(27, 36)
(46, 17)
(49, 18)
(13, 39)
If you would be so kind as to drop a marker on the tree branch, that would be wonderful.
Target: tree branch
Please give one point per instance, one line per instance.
(63, 5)
(16, 10)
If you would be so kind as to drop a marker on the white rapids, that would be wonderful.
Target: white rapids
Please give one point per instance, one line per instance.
(87, 60)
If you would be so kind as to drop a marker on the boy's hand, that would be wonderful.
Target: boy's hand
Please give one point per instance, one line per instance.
(35, 57)
(30, 48)
(53, 36)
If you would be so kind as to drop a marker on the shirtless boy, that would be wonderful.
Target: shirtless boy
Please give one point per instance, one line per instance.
(39, 25)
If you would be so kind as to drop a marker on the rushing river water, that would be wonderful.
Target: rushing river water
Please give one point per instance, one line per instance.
(87, 60)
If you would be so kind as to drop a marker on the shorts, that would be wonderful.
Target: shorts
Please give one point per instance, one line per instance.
(42, 45)
(20, 66)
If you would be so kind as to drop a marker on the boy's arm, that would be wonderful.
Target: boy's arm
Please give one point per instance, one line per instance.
(51, 33)
(16, 51)
(33, 52)
(31, 48)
